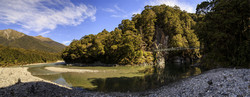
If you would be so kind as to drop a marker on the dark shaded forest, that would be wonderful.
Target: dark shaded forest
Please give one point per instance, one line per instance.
(224, 33)
(19, 56)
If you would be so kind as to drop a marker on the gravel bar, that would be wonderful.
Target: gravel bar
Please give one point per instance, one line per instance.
(222, 82)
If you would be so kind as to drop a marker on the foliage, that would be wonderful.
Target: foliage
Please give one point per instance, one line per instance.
(176, 24)
(224, 32)
(18, 56)
(133, 41)
(117, 47)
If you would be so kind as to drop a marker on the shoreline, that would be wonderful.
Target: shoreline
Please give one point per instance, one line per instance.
(43, 63)
(219, 82)
(58, 61)
(215, 82)
(59, 69)
(10, 76)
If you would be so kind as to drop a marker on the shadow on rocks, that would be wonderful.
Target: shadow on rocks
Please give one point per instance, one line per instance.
(34, 89)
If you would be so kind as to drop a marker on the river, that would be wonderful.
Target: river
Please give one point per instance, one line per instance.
(117, 78)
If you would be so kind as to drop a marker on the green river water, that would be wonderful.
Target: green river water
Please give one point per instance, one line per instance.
(119, 78)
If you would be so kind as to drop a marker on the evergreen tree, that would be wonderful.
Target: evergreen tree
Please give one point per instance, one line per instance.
(224, 32)
(132, 42)
(19, 56)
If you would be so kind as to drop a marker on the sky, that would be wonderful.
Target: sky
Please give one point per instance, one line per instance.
(65, 20)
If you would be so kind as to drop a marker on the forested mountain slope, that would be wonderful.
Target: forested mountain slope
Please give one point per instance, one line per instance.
(19, 56)
(133, 41)
(17, 39)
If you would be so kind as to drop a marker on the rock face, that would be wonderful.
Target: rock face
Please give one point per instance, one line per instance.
(161, 62)
(10, 34)
(160, 41)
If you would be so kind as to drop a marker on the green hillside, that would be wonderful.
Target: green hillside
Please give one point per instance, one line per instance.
(133, 41)
(19, 56)
(17, 39)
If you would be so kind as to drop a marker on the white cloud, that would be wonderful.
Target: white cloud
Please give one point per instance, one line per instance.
(22, 30)
(109, 10)
(39, 15)
(66, 42)
(46, 32)
(119, 9)
(119, 16)
(117, 12)
(182, 5)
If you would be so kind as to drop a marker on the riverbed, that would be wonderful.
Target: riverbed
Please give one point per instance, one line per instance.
(217, 82)
(113, 79)
(12, 75)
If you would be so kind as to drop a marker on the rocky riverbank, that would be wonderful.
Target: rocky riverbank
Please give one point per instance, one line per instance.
(217, 82)
(12, 75)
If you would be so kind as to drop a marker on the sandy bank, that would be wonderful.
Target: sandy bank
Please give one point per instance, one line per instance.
(59, 61)
(10, 75)
(58, 69)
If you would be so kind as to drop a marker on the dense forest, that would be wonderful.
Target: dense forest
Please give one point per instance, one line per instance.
(224, 32)
(133, 41)
(219, 27)
(17, 48)
(19, 56)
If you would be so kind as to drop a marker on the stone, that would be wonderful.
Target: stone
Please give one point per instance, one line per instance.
(210, 82)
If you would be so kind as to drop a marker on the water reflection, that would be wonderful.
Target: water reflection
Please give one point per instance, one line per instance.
(113, 82)
(62, 81)
(170, 73)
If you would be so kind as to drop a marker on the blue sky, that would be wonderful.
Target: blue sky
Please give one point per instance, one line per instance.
(65, 20)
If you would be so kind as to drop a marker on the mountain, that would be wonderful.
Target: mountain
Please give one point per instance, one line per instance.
(52, 43)
(42, 38)
(13, 38)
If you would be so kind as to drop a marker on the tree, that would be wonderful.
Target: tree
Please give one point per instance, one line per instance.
(224, 32)
(19, 56)
(148, 18)
(132, 42)
(127, 25)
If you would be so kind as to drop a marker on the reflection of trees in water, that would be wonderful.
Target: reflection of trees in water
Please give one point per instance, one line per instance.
(170, 73)
(44, 73)
(124, 83)
(77, 80)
